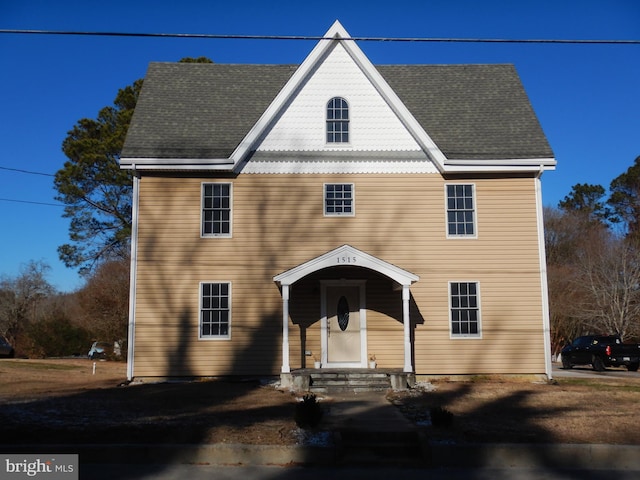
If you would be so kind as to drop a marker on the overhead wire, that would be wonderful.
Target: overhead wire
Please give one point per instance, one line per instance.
(32, 202)
(29, 172)
(317, 38)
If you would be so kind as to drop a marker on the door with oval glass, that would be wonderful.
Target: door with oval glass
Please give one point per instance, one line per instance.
(343, 325)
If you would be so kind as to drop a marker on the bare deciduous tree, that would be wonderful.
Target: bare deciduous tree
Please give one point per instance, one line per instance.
(21, 299)
(565, 325)
(608, 270)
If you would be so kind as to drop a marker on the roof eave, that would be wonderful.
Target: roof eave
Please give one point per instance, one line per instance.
(532, 165)
(145, 163)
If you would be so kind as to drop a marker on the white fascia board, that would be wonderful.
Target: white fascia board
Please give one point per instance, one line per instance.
(547, 162)
(496, 169)
(215, 164)
(533, 165)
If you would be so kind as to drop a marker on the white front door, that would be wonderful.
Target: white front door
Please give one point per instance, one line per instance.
(344, 326)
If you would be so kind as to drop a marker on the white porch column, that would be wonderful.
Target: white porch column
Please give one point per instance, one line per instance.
(406, 295)
(285, 330)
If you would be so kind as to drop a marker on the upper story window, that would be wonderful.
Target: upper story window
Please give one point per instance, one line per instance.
(337, 121)
(461, 217)
(464, 309)
(339, 199)
(216, 209)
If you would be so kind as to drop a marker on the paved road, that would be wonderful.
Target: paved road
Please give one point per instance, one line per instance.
(201, 472)
(587, 372)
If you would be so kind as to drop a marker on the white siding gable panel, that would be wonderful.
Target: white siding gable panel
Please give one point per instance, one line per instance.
(373, 125)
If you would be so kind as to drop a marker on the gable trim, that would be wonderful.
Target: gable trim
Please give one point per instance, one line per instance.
(346, 255)
(337, 33)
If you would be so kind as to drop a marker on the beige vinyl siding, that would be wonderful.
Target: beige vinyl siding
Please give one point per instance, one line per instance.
(384, 323)
(278, 223)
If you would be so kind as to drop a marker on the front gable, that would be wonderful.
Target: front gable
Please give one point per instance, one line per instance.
(379, 121)
(301, 126)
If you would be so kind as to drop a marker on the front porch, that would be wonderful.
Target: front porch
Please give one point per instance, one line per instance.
(333, 380)
(339, 280)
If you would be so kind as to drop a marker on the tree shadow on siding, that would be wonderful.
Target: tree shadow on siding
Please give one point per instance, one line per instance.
(180, 348)
(260, 354)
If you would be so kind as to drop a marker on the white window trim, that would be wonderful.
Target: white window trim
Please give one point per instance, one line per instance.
(214, 338)
(338, 145)
(353, 200)
(461, 336)
(475, 212)
(216, 235)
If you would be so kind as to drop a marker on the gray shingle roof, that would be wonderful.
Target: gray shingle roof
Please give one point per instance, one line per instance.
(471, 111)
(200, 111)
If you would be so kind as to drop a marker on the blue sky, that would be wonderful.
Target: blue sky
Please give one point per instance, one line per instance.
(587, 97)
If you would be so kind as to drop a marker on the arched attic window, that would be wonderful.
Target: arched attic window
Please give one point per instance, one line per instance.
(337, 120)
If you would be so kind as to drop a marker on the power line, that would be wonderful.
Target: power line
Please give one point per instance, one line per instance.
(27, 171)
(315, 38)
(27, 201)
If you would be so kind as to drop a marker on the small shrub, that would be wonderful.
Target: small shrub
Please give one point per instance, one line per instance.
(57, 337)
(441, 417)
(308, 412)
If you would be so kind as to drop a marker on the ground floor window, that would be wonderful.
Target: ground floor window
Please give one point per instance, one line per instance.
(215, 310)
(465, 309)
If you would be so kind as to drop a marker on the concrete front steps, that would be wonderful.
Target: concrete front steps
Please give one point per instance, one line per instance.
(352, 381)
(329, 381)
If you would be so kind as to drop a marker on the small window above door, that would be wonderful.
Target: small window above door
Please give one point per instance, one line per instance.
(339, 199)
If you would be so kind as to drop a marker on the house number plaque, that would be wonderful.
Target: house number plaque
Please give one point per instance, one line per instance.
(342, 260)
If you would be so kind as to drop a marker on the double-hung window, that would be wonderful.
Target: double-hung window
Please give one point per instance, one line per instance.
(461, 214)
(215, 310)
(337, 121)
(339, 199)
(464, 309)
(216, 209)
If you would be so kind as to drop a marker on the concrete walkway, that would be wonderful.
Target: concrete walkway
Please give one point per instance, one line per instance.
(363, 411)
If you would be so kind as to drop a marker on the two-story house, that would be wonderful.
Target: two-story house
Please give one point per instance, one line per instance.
(334, 211)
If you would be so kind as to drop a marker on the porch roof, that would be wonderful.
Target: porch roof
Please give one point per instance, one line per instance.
(346, 255)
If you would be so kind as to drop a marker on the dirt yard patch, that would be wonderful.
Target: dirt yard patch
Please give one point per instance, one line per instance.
(570, 411)
(63, 401)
